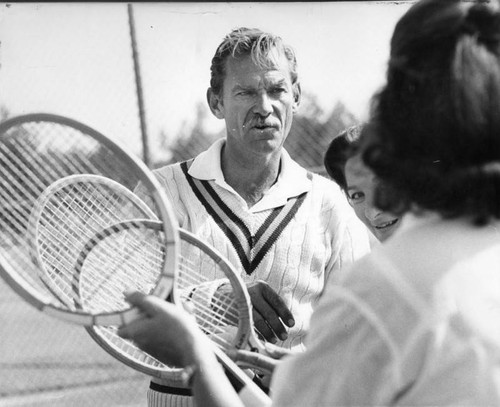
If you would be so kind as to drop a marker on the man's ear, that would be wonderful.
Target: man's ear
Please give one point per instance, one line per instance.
(215, 103)
(297, 97)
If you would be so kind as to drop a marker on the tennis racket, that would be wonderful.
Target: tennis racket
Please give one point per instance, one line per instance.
(218, 315)
(38, 150)
(92, 205)
(206, 283)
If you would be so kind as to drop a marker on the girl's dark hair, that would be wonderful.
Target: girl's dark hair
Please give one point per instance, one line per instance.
(436, 143)
(341, 148)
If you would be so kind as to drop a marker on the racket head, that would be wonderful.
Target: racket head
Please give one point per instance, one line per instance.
(226, 320)
(210, 287)
(223, 314)
(66, 215)
(129, 354)
(37, 150)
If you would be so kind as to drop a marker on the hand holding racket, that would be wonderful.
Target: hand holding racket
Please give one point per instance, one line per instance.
(77, 233)
(205, 282)
(183, 344)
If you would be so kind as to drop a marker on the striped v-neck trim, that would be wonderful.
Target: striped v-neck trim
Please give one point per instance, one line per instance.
(250, 249)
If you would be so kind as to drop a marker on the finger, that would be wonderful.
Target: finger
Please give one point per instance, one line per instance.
(147, 304)
(124, 332)
(273, 322)
(128, 331)
(134, 297)
(263, 328)
(279, 306)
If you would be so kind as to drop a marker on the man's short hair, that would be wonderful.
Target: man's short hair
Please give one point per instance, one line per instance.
(264, 48)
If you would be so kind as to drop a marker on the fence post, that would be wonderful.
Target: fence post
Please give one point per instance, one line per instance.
(138, 84)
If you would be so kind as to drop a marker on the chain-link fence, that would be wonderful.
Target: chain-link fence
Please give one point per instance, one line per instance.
(76, 60)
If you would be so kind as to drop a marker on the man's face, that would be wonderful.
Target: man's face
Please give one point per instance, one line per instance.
(257, 105)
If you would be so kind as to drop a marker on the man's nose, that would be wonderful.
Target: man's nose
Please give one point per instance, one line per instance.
(263, 105)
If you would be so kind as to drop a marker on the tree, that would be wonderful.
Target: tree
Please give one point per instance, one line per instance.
(310, 134)
(189, 143)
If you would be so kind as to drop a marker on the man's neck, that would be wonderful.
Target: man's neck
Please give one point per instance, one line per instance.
(251, 179)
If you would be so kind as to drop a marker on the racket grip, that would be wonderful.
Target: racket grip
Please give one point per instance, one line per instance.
(249, 393)
(276, 352)
(253, 360)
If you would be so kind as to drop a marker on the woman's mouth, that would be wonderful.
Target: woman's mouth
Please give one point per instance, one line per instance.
(387, 224)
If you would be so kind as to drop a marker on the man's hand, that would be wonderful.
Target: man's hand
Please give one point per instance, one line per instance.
(271, 315)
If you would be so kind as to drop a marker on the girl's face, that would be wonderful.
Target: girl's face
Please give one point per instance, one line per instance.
(361, 184)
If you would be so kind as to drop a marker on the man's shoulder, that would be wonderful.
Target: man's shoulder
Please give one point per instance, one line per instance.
(326, 187)
(168, 169)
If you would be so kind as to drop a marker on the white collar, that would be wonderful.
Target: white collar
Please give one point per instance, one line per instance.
(292, 181)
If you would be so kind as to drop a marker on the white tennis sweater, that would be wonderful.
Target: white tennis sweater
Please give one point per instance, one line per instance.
(301, 232)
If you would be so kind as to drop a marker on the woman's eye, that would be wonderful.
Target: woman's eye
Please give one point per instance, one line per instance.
(356, 197)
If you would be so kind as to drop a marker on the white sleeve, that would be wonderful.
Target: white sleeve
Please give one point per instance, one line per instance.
(346, 363)
(350, 240)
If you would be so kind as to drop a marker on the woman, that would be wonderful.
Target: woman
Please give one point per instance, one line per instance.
(344, 165)
(415, 322)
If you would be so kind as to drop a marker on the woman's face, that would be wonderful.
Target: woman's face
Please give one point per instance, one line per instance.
(361, 184)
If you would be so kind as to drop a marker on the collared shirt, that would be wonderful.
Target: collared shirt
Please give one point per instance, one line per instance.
(302, 231)
(292, 179)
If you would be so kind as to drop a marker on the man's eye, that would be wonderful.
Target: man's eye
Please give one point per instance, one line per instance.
(356, 197)
(278, 91)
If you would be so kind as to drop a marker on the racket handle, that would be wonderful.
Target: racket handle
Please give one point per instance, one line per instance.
(249, 393)
(253, 360)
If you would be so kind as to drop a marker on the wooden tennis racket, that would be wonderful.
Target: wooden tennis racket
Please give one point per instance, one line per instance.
(38, 150)
(93, 205)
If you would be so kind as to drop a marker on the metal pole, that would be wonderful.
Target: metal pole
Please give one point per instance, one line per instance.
(140, 99)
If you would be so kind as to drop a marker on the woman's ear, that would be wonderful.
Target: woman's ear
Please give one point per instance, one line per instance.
(215, 103)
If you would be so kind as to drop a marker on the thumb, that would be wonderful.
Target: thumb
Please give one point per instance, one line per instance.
(134, 297)
(147, 304)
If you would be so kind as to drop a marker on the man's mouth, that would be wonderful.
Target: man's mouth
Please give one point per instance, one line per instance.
(263, 127)
(387, 224)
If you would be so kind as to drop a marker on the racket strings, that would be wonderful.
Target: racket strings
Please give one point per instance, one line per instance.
(126, 259)
(36, 170)
(222, 305)
(196, 273)
(137, 258)
(110, 335)
(46, 153)
(31, 158)
(37, 151)
(216, 312)
(68, 219)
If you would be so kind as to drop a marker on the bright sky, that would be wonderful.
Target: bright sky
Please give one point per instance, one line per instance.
(74, 59)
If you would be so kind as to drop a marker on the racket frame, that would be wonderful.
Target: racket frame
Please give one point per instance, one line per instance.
(169, 225)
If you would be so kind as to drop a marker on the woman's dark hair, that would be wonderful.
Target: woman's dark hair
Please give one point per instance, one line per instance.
(341, 148)
(436, 143)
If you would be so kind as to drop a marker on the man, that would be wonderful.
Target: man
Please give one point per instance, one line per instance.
(284, 228)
